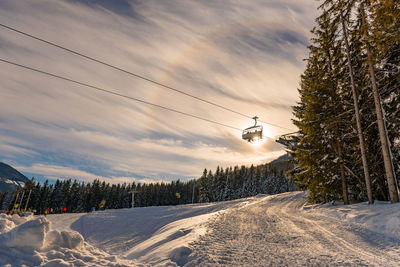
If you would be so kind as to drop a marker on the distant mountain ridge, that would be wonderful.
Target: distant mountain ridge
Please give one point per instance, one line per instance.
(283, 163)
(10, 178)
(283, 158)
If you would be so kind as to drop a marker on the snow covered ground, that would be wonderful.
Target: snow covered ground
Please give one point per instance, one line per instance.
(259, 231)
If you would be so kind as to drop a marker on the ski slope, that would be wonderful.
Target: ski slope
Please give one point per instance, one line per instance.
(260, 231)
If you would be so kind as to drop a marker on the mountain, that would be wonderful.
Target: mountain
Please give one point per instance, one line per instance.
(283, 163)
(10, 178)
(283, 158)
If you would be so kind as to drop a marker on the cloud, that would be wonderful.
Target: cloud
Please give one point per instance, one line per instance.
(54, 172)
(244, 55)
(6, 148)
(15, 146)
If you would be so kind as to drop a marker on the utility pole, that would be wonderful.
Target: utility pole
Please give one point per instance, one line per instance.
(193, 193)
(133, 197)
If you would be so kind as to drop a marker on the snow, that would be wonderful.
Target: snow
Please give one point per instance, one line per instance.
(263, 231)
(381, 217)
(8, 181)
(29, 241)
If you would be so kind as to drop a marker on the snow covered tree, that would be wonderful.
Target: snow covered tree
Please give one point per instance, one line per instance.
(205, 187)
(385, 36)
(341, 58)
(320, 150)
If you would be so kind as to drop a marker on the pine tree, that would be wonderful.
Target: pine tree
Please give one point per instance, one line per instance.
(319, 152)
(229, 188)
(385, 38)
(383, 135)
(204, 188)
(344, 39)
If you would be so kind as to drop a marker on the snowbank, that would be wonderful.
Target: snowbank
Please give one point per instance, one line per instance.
(29, 241)
(170, 244)
(152, 236)
(381, 217)
(155, 236)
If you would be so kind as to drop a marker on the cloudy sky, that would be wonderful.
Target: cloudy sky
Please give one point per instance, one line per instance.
(244, 55)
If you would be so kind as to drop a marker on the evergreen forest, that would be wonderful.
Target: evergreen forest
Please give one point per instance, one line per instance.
(74, 196)
(348, 146)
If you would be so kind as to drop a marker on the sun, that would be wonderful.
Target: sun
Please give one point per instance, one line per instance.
(258, 142)
(267, 134)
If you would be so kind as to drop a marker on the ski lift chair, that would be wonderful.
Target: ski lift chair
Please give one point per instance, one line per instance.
(253, 133)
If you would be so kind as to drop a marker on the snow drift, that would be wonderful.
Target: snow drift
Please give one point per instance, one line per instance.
(29, 241)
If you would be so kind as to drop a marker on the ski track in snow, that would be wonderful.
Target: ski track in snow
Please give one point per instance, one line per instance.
(279, 230)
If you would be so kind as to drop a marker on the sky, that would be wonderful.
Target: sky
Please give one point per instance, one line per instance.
(244, 55)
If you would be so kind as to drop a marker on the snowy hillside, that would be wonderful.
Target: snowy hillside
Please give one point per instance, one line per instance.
(258, 231)
(10, 178)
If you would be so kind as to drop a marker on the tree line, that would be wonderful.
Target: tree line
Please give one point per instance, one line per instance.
(74, 196)
(234, 183)
(349, 110)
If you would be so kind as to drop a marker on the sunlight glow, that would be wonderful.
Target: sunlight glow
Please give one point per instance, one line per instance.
(258, 142)
(268, 132)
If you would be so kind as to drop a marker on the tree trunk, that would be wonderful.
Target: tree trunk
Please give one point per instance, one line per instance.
(357, 113)
(387, 156)
(342, 174)
(339, 143)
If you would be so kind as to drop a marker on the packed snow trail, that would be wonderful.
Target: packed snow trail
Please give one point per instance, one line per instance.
(277, 231)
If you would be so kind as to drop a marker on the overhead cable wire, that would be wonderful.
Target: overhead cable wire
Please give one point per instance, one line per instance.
(116, 93)
(135, 74)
